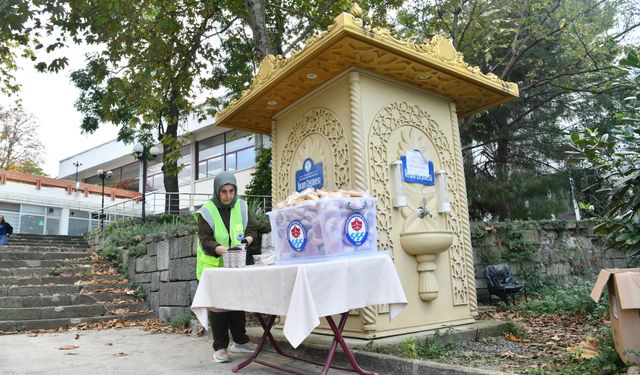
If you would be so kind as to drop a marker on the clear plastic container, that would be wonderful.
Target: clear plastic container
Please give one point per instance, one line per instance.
(322, 229)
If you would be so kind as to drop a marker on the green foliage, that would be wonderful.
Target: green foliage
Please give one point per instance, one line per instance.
(55, 271)
(564, 77)
(614, 159)
(127, 235)
(570, 299)
(260, 183)
(438, 346)
(512, 247)
(138, 289)
(181, 320)
(516, 330)
(521, 196)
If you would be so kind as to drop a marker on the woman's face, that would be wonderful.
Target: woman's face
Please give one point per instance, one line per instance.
(226, 194)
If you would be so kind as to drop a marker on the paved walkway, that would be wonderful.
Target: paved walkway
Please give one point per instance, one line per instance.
(121, 351)
(135, 351)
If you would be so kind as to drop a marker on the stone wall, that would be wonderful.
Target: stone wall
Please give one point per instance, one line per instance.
(555, 249)
(167, 274)
(558, 249)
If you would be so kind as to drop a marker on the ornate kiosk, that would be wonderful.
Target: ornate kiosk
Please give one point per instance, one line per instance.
(378, 114)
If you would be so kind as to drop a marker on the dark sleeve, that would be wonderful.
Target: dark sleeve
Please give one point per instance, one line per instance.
(205, 235)
(251, 230)
(9, 228)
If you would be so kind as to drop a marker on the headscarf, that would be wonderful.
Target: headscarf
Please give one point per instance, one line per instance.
(224, 178)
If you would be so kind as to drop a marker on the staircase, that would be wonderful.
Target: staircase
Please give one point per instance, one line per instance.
(49, 282)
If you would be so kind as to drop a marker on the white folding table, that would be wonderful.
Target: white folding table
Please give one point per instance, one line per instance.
(304, 293)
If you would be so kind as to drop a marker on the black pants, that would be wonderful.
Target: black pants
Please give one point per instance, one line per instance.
(223, 322)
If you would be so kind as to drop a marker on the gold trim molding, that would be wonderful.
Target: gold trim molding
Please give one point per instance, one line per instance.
(434, 66)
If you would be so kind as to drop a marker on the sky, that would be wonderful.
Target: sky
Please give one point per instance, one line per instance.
(50, 98)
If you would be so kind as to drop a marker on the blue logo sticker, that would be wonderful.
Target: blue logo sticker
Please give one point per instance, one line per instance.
(296, 235)
(356, 229)
(240, 237)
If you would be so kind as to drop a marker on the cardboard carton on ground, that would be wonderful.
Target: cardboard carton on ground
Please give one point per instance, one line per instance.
(624, 309)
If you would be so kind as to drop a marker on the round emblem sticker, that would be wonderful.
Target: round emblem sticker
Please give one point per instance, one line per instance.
(356, 229)
(297, 236)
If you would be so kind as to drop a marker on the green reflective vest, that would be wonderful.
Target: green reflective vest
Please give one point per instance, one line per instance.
(237, 224)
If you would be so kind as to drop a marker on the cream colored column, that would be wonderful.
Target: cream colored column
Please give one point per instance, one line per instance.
(464, 215)
(274, 165)
(369, 316)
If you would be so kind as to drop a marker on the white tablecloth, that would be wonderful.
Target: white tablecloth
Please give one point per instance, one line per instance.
(302, 292)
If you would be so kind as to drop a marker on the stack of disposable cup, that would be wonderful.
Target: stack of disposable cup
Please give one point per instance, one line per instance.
(235, 258)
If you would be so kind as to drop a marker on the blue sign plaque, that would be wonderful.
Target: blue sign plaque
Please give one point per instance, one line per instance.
(416, 169)
(310, 176)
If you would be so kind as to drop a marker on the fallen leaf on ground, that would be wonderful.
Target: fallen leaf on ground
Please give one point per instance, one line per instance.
(108, 344)
(77, 336)
(71, 353)
(68, 347)
(513, 338)
(586, 349)
(120, 354)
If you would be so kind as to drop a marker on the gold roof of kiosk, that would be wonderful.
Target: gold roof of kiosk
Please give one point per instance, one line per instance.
(434, 66)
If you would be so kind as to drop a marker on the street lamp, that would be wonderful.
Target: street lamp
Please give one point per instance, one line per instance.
(77, 164)
(144, 154)
(103, 175)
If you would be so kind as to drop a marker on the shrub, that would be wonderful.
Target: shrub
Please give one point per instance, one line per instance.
(568, 300)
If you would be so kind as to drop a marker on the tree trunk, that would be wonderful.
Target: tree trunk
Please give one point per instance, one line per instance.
(258, 23)
(172, 197)
(502, 162)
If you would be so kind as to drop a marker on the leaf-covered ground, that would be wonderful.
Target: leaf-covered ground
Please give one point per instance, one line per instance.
(543, 344)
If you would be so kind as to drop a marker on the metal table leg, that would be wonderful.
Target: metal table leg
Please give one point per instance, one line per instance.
(337, 339)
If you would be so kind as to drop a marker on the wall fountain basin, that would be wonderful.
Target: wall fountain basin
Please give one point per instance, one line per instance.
(427, 242)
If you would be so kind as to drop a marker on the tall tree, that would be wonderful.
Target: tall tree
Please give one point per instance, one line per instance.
(145, 80)
(557, 51)
(20, 148)
(22, 32)
(613, 157)
(278, 27)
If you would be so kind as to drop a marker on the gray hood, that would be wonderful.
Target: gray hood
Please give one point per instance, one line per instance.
(224, 178)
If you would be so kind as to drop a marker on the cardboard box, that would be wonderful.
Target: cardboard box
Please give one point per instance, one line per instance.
(624, 308)
(323, 229)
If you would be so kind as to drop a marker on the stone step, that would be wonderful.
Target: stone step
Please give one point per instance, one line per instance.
(36, 263)
(47, 244)
(62, 300)
(50, 279)
(48, 290)
(57, 312)
(34, 238)
(24, 255)
(44, 271)
(38, 280)
(26, 325)
(45, 249)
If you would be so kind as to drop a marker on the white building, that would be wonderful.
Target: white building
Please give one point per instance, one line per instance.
(42, 205)
(208, 151)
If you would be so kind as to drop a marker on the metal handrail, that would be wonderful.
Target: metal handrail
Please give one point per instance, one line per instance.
(187, 204)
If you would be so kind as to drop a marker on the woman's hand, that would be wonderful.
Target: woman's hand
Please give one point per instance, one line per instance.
(248, 240)
(221, 250)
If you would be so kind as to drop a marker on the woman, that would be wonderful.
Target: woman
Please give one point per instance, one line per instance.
(5, 231)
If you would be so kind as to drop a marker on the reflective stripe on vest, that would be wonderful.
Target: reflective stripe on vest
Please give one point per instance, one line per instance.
(237, 223)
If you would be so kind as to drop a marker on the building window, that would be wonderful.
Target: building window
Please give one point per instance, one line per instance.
(230, 151)
(78, 222)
